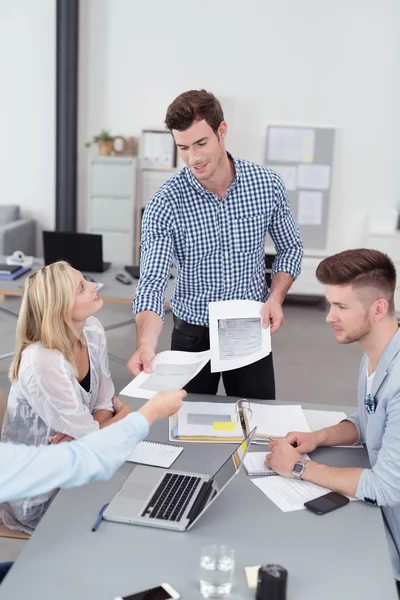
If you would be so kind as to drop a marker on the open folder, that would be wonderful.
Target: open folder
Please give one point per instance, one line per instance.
(226, 422)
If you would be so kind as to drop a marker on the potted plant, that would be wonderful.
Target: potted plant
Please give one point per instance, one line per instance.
(105, 142)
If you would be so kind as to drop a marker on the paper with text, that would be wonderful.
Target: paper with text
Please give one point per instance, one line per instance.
(274, 420)
(237, 337)
(289, 494)
(291, 144)
(310, 208)
(172, 370)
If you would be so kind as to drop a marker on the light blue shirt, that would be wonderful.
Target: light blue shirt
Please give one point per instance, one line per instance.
(380, 432)
(32, 470)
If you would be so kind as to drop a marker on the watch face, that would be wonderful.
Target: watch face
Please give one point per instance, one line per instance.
(298, 467)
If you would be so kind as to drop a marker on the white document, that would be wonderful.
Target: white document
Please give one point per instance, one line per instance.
(288, 175)
(290, 144)
(155, 454)
(172, 370)
(289, 494)
(237, 337)
(310, 208)
(209, 419)
(314, 177)
(319, 419)
(275, 420)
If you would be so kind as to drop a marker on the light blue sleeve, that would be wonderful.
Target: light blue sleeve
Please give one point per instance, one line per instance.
(382, 482)
(32, 470)
(355, 419)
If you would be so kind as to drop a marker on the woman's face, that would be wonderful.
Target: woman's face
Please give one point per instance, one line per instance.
(87, 300)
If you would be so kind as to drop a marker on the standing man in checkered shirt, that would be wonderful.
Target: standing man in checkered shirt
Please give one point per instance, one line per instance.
(210, 221)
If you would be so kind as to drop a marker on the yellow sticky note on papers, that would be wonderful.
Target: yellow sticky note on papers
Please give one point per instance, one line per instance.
(224, 425)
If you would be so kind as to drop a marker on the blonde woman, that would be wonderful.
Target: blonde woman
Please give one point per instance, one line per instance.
(61, 384)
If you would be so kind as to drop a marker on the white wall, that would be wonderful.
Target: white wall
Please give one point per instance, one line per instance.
(27, 107)
(288, 62)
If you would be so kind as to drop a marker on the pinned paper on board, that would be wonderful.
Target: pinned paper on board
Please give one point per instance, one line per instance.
(310, 208)
(290, 144)
(314, 177)
(288, 175)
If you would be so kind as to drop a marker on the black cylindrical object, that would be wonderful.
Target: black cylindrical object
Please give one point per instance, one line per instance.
(272, 583)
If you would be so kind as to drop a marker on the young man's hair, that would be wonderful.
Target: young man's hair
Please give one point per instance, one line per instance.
(194, 105)
(363, 268)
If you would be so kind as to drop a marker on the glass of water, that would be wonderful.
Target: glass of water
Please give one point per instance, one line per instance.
(217, 564)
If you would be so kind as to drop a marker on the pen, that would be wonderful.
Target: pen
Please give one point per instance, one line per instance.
(99, 518)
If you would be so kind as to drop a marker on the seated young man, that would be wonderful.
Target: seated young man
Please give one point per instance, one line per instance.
(360, 291)
(61, 384)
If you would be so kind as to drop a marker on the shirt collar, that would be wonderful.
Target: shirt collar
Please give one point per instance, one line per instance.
(201, 189)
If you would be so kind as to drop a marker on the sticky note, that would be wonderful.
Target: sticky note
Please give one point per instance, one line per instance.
(252, 576)
(224, 425)
(243, 446)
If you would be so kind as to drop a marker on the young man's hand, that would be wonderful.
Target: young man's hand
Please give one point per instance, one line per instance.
(141, 361)
(272, 314)
(303, 442)
(282, 457)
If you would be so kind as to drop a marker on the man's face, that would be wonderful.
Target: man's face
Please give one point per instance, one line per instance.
(201, 149)
(348, 316)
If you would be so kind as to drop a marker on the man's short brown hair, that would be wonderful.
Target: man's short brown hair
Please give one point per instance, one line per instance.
(362, 268)
(194, 105)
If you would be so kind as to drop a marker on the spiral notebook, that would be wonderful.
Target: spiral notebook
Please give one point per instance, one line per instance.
(155, 454)
(255, 467)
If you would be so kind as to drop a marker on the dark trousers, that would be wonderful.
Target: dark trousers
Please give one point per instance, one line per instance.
(253, 381)
(4, 568)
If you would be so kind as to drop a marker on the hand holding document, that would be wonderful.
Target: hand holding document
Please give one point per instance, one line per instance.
(237, 337)
(171, 370)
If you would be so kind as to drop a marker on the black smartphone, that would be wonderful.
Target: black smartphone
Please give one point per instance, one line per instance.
(326, 503)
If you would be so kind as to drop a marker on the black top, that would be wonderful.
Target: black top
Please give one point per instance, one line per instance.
(85, 382)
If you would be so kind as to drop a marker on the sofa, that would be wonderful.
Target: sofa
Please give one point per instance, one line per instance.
(16, 233)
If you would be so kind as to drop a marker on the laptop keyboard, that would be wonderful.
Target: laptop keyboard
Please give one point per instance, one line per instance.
(171, 497)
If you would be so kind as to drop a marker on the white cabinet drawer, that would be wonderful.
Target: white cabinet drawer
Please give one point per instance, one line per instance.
(112, 214)
(116, 179)
(117, 247)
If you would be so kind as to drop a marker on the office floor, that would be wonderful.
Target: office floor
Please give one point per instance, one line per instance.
(309, 364)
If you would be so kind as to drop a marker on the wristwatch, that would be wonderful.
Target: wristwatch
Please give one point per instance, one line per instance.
(298, 468)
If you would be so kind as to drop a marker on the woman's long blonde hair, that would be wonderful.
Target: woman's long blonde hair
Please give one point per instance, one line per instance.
(45, 315)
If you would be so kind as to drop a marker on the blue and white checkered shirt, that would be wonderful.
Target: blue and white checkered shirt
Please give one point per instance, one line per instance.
(217, 246)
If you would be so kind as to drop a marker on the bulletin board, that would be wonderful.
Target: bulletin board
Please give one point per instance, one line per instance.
(303, 157)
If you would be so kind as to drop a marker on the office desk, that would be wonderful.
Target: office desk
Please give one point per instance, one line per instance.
(113, 290)
(340, 555)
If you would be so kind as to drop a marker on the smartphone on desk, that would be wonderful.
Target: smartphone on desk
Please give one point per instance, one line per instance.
(326, 503)
(162, 592)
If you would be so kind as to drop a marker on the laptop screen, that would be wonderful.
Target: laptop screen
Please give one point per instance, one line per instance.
(232, 465)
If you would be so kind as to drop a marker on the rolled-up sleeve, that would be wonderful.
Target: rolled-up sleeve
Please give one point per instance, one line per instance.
(284, 233)
(355, 419)
(381, 483)
(155, 257)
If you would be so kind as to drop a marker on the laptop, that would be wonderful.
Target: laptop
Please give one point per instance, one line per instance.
(84, 251)
(172, 499)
